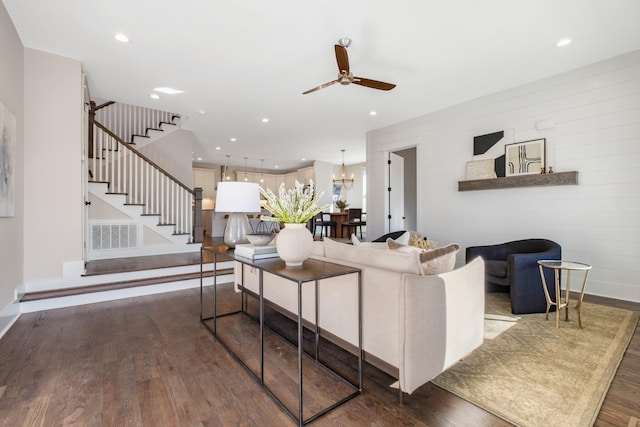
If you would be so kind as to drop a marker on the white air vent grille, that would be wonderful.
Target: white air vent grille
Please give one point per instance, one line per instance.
(114, 236)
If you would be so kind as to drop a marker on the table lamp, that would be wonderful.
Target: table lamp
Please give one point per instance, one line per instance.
(237, 199)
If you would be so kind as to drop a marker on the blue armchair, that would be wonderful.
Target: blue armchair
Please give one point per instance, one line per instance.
(512, 267)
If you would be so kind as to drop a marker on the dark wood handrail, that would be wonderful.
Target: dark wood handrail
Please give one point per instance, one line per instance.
(145, 158)
(106, 104)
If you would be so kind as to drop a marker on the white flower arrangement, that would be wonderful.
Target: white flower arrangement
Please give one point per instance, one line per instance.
(295, 206)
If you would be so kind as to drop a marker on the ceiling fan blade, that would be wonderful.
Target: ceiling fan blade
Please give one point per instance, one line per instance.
(375, 84)
(342, 58)
(320, 87)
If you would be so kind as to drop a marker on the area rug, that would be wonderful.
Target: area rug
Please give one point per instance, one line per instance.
(533, 374)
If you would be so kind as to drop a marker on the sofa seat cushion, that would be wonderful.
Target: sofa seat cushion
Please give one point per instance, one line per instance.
(495, 268)
(384, 259)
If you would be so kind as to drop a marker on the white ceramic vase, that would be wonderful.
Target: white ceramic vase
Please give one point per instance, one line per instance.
(294, 244)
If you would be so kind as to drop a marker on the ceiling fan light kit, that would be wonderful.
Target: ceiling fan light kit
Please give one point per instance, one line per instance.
(345, 76)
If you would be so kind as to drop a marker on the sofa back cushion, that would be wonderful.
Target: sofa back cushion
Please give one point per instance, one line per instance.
(381, 258)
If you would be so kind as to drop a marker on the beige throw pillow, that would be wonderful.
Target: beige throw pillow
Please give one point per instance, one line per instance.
(375, 245)
(439, 260)
(434, 261)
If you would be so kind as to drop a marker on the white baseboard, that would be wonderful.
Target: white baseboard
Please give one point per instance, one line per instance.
(8, 316)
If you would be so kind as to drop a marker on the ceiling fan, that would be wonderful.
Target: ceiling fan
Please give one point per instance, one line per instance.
(345, 76)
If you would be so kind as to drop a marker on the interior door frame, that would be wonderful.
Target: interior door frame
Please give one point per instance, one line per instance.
(395, 193)
(86, 110)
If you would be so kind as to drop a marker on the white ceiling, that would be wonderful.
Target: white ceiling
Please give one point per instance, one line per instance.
(242, 60)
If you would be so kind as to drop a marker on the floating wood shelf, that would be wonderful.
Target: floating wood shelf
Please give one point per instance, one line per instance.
(533, 180)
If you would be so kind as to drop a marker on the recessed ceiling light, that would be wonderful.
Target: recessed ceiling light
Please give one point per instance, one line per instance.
(233, 140)
(121, 38)
(563, 42)
(155, 96)
(276, 166)
(168, 90)
(202, 112)
(265, 120)
(303, 159)
(218, 148)
(373, 113)
(199, 158)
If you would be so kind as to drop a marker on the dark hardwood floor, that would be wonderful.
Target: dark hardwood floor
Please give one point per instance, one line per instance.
(148, 361)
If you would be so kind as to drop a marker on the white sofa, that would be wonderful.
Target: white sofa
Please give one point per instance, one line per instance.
(414, 326)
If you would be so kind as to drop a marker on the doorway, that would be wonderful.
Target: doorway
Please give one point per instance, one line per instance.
(402, 189)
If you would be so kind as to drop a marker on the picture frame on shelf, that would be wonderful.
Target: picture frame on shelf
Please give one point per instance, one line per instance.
(481, 169)
(525, 158)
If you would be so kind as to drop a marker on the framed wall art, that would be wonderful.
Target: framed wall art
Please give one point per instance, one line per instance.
(524, 158)
(7, 161)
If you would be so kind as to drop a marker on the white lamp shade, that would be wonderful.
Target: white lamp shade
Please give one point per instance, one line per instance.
(235, 196)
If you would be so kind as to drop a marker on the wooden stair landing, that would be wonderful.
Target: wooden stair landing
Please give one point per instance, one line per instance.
(142, 263)
(81, 290)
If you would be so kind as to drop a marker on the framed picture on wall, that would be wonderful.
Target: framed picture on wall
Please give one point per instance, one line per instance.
(7, 161)
(524, 158)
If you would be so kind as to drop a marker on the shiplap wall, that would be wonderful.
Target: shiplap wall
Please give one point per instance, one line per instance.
(597, 113)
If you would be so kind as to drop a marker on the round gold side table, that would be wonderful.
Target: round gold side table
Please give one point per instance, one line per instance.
(558, 266)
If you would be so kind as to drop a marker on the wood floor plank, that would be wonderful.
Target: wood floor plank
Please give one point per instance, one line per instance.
(149, 361)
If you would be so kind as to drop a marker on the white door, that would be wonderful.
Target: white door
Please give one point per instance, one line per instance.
(396, 193)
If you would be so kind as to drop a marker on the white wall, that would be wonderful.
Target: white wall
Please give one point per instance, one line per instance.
(12, 228)
(173, 154)
(53, 172)
(323, 181)
(597, 133)
(353, 196)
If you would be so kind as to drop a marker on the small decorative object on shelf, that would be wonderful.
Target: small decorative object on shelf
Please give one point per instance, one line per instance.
(542, 171)
(294, 207)
(550, 169)
(341, 204)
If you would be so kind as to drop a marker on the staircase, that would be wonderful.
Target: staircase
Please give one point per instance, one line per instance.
(141, 218)
(148, 211)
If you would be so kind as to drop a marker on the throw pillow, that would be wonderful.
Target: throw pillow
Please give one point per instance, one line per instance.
(439, 260)
(380, 245)
(375, 245)
(434, 261)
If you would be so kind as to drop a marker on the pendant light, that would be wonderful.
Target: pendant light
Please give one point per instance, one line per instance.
(225, 175)
(347, 183)
(262, 171)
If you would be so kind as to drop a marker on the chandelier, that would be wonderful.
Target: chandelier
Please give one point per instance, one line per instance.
(225, 171)
(347, 183)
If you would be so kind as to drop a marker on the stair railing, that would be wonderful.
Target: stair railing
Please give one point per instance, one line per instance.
(129, 172)
(126, 120)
